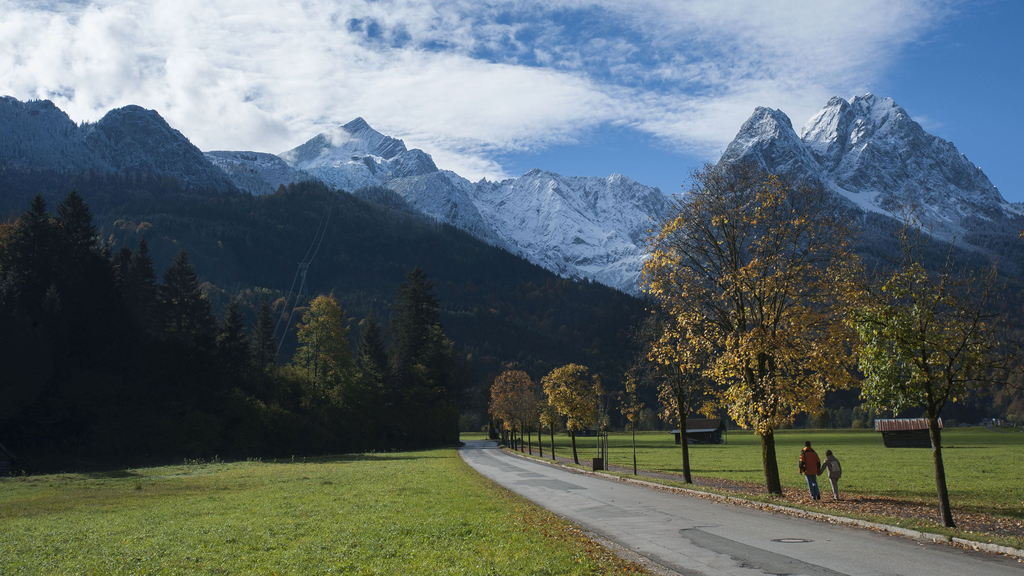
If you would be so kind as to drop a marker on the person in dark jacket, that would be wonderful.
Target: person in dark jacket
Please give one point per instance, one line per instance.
(810, 467)
(835, 472)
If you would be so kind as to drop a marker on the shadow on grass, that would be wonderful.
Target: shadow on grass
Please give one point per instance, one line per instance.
(109, 474)
(424, 454)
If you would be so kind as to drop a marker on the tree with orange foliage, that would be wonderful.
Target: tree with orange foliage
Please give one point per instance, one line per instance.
(574, 392)
(750, 270)
(513, 401)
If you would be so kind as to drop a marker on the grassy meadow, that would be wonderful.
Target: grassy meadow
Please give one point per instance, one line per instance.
(398, 513)
(983, 466)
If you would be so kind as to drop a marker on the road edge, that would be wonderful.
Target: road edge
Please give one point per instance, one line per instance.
(877, 526)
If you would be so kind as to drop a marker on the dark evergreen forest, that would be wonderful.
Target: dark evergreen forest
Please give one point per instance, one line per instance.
(102, 375)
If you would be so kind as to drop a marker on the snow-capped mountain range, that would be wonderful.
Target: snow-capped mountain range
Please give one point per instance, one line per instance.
(869, 151)
(574, 226)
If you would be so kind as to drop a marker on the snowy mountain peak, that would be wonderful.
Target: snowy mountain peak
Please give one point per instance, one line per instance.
(355, 155)
(767, 138)
(572, 225)
(349, 142)
(374, 142)
(870, 151)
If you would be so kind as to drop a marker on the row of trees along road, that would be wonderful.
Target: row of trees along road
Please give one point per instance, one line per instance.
(571, 393)
(761, 307)
(103, 364)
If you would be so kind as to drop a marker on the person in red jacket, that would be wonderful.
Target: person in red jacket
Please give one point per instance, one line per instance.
(810, 467)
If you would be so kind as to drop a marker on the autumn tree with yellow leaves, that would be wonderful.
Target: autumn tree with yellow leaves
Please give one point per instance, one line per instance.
(323, 351)
(574, 392)
(750, 271)
(678, 369)
(513, 402)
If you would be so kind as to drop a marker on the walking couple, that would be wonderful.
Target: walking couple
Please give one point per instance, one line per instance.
(811, 466)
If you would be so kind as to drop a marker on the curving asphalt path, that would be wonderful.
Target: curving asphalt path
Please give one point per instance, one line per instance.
(691, 536)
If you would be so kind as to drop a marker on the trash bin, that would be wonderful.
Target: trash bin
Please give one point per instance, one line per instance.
(598, 464)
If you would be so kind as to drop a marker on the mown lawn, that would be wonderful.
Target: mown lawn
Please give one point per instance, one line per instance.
(399, 513)
(983, 466)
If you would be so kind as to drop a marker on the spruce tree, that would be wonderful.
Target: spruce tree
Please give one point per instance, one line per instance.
(140, 288)
(233, 343)
(75, 222)
(422, 360)
(30, 259)
(416, 315)
(372, 353)
(186, 314)
(264, 340)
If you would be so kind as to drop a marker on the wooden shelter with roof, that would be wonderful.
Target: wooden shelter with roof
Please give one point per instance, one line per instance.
(904, 432)
(702, 431)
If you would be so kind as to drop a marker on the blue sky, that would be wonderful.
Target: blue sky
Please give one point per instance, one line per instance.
(493, 88)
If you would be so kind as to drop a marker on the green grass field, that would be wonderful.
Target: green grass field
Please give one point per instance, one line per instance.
(399, 513)
(983, 466)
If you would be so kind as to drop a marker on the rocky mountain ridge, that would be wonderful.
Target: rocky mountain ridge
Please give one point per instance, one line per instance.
(869, 151)
(586, 227)
(38, 135)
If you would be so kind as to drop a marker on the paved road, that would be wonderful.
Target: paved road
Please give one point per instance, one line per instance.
(699, 536)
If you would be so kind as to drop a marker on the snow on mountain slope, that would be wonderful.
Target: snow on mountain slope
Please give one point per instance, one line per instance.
(256, 172)
(871, 152)
(574, 226)
(768, 139)
(133, 139)
(355, 155)
(38, 135)
(447, 197)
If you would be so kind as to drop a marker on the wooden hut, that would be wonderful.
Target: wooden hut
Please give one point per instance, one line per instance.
(905, 432)
(6, 458)
(702, 431)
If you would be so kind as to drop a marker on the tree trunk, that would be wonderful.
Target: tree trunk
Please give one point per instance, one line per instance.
(575, 458)
(551, 429)
(770, 464)
(632, 427)
(529, 440)
(940, 472)
(684, 445)
(540, 439)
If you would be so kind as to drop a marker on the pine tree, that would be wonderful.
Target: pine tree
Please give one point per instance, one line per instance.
(74, 220)
(416, 315)
(264, 341)
(122, 263)
(233, 343)
(140, 289)
(30, 257)
(422, 360)
(372, 354)
(186, 314)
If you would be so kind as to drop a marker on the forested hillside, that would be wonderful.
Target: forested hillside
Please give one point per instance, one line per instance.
(494, 307)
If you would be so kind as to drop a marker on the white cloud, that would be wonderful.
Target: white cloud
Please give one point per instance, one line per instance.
(449, 76)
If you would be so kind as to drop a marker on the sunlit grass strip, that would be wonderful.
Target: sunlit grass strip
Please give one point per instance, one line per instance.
(402, 513)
